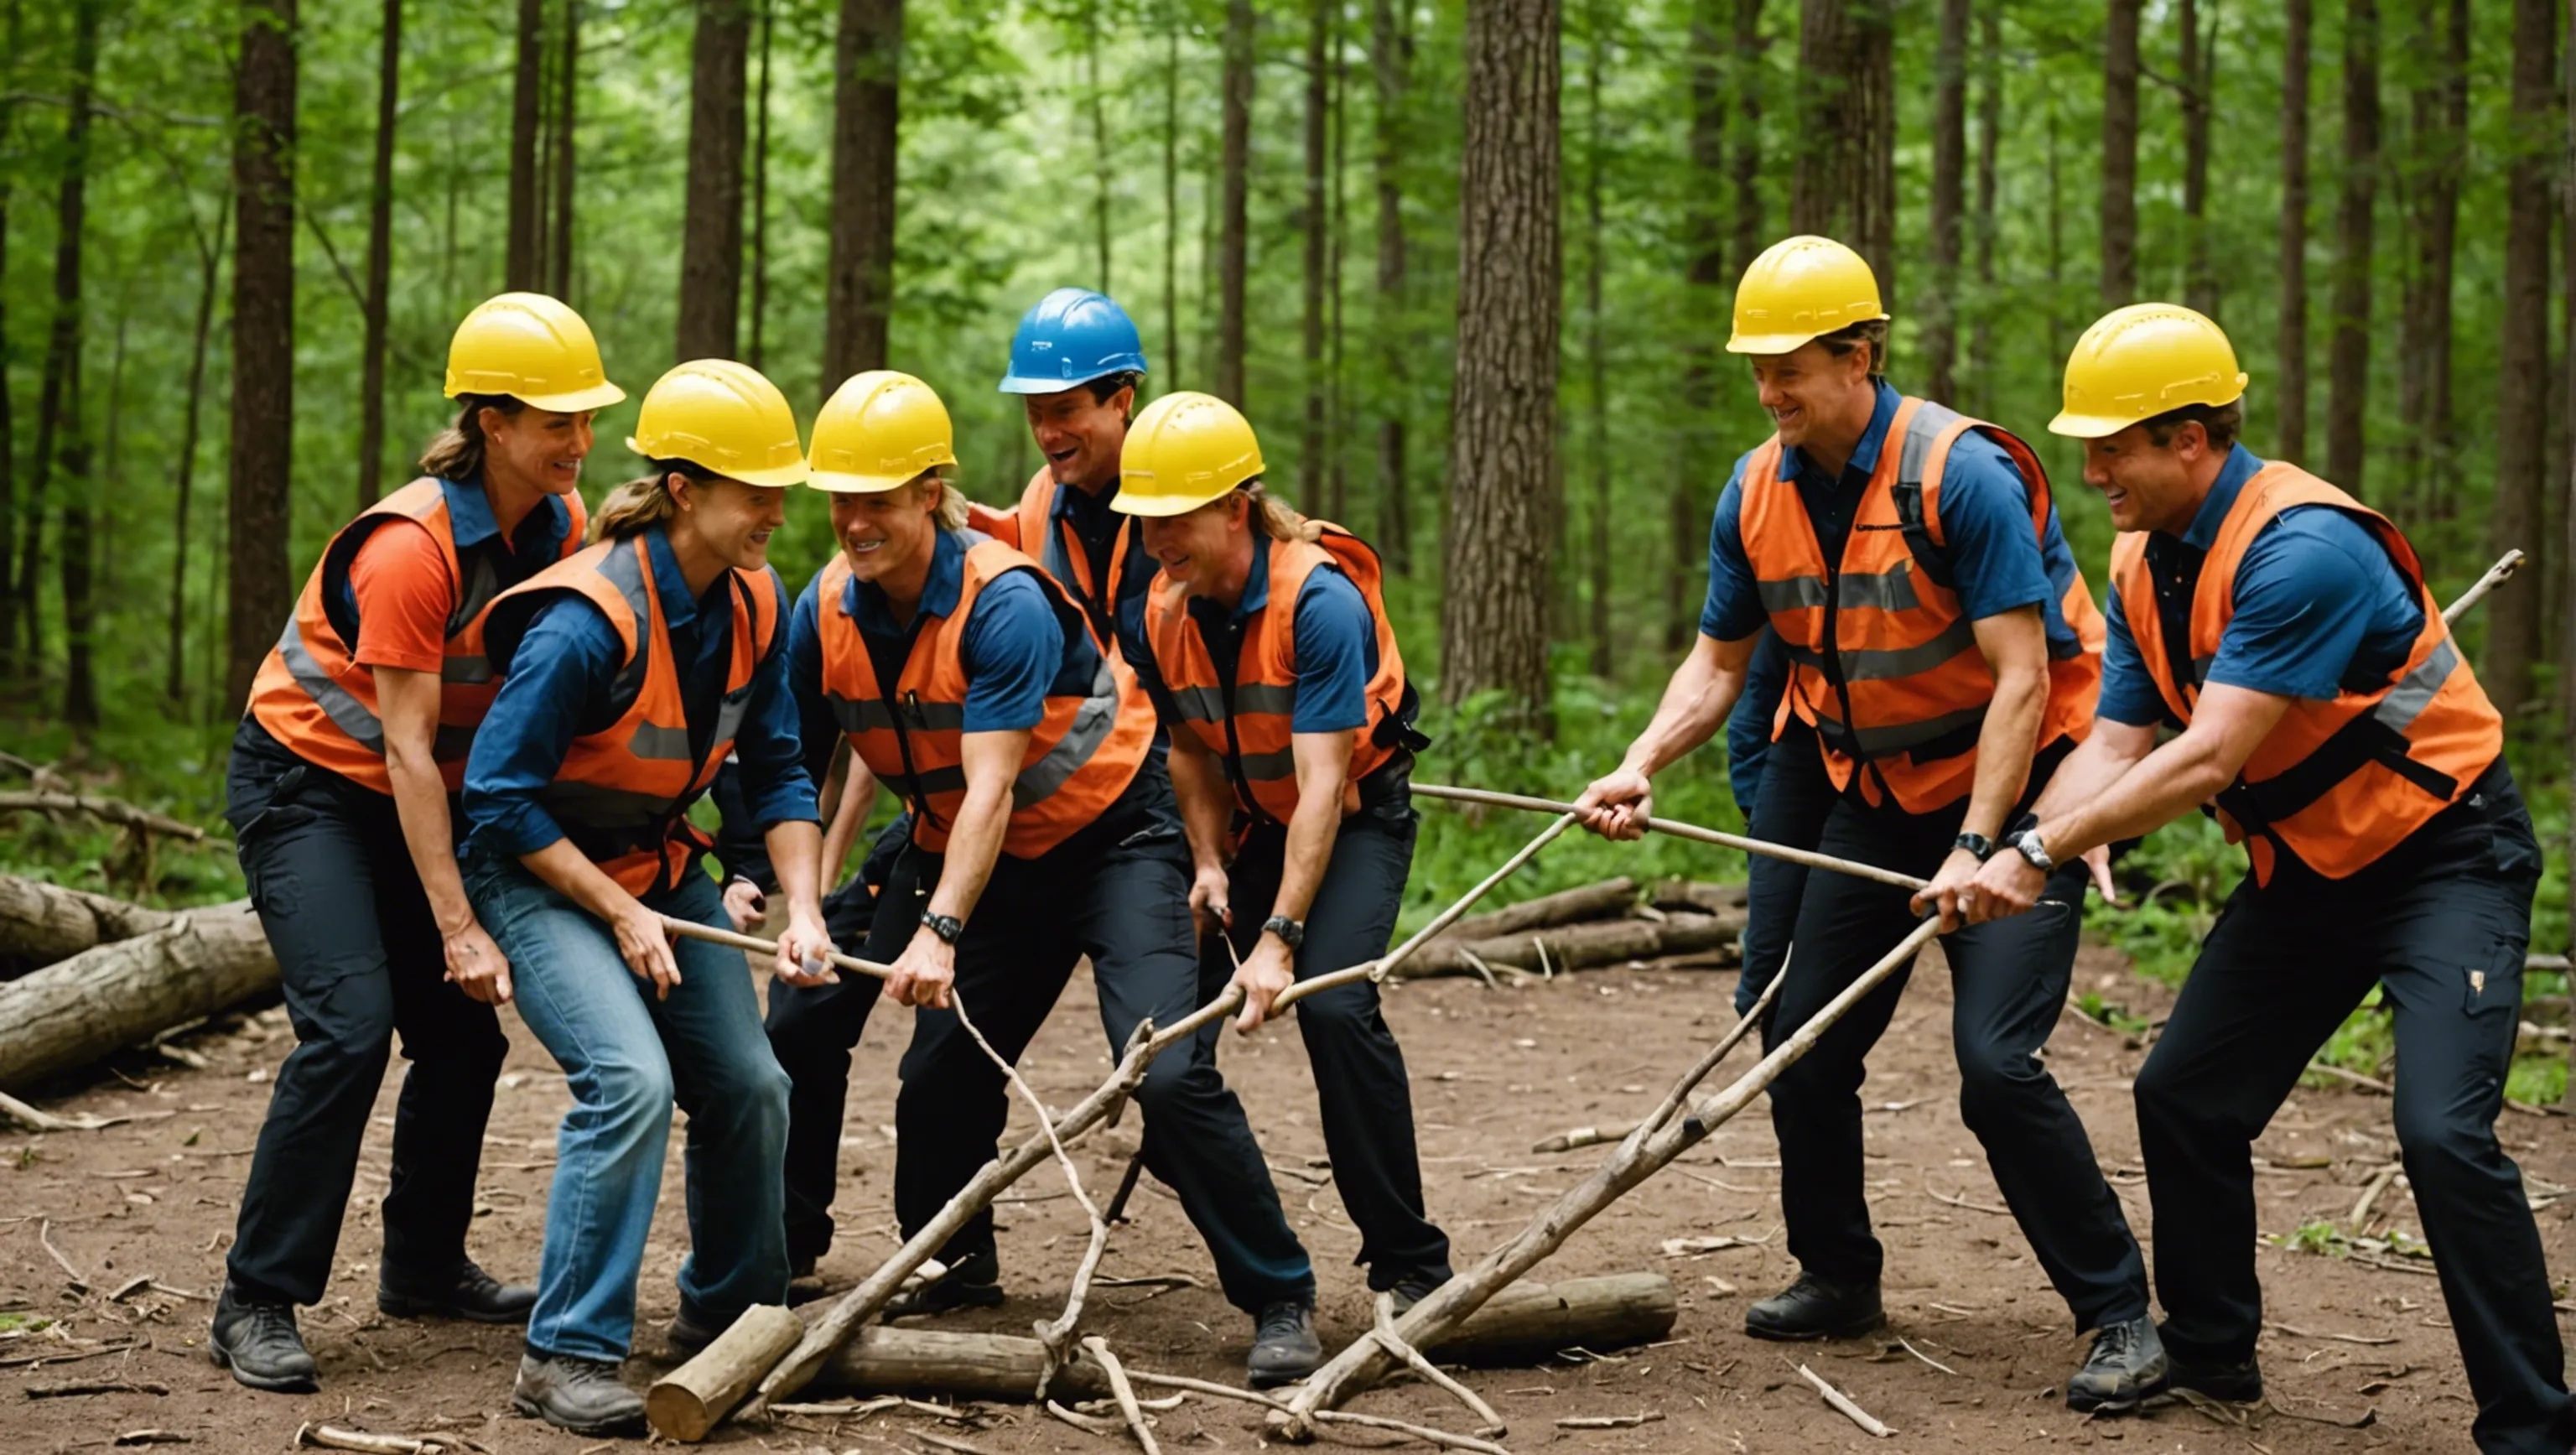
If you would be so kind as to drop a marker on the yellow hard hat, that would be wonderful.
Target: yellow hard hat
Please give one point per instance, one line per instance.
(2137, 362)
(721, 416)
(533, 349)
(1800, 288)
(878, 432)
(1184, 450)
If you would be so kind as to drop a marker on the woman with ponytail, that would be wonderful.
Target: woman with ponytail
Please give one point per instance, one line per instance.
(630, 671)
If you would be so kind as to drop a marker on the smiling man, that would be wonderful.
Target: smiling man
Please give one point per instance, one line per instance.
(2284, 631)
(1042, 831)
(1939, 639)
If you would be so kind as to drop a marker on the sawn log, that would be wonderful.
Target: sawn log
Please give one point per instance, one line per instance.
(115, 995)
(1605, 900)
(1579, 947)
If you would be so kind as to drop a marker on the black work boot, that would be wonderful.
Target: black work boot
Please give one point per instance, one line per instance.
(580, 1395)
(2240, 1382)
(1284, 1346)
(974, 1281)
(1415, 1286)
(462, 1292)
(2125, 1369)
(1813, 1308)
(258, 1342)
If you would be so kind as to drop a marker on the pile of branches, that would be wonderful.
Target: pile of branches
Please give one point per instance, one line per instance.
(1689, 923)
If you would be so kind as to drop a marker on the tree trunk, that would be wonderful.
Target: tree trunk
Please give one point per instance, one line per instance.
(1579, 946)
(2348, 353)
(1389, 59)
(1596, 347)
(1311, 223)
(1236, 239)
(1747, 160)
(2199, 77)
(567, 93)
(711, 233)
(380, 254)
(8, 414)
(2297, 18)
(760, 198)
(866, 106)
(2522, 382)
(71, 1013)
(263, 362)
(1844, 185)
(174, 687)
(1172, 201)
(1949, 187)
(2120, 154)
(1990, 121)
(60, 439)
(1502, 454)
(1705, 276)
(522, 265)
(2439, 151)
(1337, 404)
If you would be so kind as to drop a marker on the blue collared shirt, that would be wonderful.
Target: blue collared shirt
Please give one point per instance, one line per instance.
(1103, 532)
(2319, 606)
(1997, 560)
(1336, 647)
(535, 545)
(558, 686)
(1014, 648)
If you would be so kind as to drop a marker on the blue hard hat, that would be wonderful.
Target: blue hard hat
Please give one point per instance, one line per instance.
(1073, 335)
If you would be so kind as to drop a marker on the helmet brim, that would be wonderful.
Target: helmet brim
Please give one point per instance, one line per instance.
(1039, 384)
(598, 396)
(1769, 343)
(775, 477)
(844, 482)
(1160, 506)
(2087, 426)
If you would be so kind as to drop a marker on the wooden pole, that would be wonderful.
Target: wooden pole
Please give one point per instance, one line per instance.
(2497, 574)
(1680, 830)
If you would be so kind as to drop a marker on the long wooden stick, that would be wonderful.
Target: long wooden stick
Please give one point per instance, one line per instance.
(1680, 830)
(1365, 1360)
(2497, 574)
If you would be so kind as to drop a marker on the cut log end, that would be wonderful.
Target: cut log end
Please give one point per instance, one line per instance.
(689, 1401)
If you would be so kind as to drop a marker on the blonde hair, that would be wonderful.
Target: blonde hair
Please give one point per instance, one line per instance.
(635, 506)
(951, 514)
(456, 453)
(1274, 518)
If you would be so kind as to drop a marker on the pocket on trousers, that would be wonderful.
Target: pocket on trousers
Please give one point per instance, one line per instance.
(274, 889)
(2494, 986)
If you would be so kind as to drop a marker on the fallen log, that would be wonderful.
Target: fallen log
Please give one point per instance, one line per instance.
(1700, 896)
(686, 1403)
(106, 810)
(1578, 947)
(41, 923)
(122, 994)
(1661, 1137)
(1524, 1323)
(1604, 900)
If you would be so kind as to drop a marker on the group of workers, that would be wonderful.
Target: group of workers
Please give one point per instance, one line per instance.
(1152, 716)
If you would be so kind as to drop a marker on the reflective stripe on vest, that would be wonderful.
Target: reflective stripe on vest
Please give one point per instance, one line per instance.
(320, 703)
(1085, 750)
(623, 793)
(1248, 724)
(2337, 782)
(1883, 661)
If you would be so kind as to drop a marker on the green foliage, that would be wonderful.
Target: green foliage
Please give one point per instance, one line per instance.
(2319, 1236)
(172, 769)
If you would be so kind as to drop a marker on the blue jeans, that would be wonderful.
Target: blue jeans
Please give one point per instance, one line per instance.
(628, 1057)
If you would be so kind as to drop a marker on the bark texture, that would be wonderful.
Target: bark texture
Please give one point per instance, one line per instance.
(866, 109)
(380, 256)
(1234, 232)
(1844, 185)
(263, 362)
(2120, 154)
(2348, 349)
(711, 232)
(2297, 19)
(1949, 197)
(117, 995)
(2523, 380)
(522, 262)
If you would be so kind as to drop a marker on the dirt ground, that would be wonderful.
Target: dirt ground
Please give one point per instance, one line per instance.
(1494, 1071)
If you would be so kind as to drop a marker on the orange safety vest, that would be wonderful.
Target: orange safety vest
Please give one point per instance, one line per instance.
(314, 697)
(1246, 723)
(1082, 755)
(2338, 782)
(1883, 661)
(623, 793)
(1056, 550)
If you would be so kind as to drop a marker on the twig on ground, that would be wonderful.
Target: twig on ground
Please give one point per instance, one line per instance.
(36, 1119)
(37, 1361)
(945, 1442)
(2354, 1078)
(339, 1439)
(1477, 963)
(2296, 1332)
(847, 1409)
(1385, 1335)
(45, 1235)
(1090, 1424)
(1938, 1196)
(69, 1388)
(1609, 1422)
(1580, 1137)
(1423, 1433)
(2368, 1417)
(2360, 1220)
(1843, 1404)
(1122, 1391)
(153, 1437)
(1909, 1348)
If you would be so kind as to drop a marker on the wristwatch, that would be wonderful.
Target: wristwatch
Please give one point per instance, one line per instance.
(1977, 844)
(946, 926)
(2027, 843)
(1291, 932)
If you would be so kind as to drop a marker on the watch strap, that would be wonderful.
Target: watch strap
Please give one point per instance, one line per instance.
(1291, 933)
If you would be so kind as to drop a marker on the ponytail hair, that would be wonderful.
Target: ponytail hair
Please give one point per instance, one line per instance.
(951, 514)
(457, 451)
(641, 503)
(1273, 517)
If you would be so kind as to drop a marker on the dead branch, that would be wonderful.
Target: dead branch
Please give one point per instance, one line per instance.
(1335, 1417)
(1386, 1336)
(1609, 1422)
(41, 923)
(339, 1439)
(45, 1235)
(107, 810)
(2368, 1340)
(1679, 830)
(1565, 907)
(1843, 1403)
(1694, 894)
(69, 1388)
(2353, 1078)
(120, 994)
(34, 1119)
(1121, 1391)
(1563, 948)
(1908, 1346)
(1646, 1151)
(2360, 1220)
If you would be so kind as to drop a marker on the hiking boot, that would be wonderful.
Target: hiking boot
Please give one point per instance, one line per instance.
(2125, 1369)
(1284, 1346)
(462, 1292)
(1415, 1286)
(580, 1395)
(974, 1281)
(1813, 1308)
(2240, 1382)
(686, 1336)
(258, 1342)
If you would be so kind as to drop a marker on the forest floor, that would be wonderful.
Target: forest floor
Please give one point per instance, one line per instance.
(1494, 1072)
